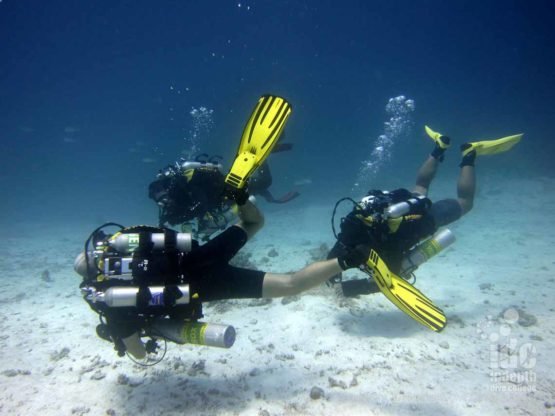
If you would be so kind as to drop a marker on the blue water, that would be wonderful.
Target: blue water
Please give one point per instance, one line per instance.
(96, 96)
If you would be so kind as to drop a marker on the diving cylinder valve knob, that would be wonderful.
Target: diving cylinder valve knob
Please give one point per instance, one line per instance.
(127, 242)
(126, 296)
(199, 333)
(405, 207)
(426, 250)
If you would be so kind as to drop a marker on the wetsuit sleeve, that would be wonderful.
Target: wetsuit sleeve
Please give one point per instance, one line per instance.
(229, 282)
(227, 244)
(220, 250)
(214, 278)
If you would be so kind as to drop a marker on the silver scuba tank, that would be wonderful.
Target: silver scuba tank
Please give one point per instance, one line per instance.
(126, 296)
(187, 164)
(424, 251)
(199, 333)
(403, 208)
(127, 242)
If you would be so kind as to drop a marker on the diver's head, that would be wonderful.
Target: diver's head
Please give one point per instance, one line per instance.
(80, 265)
(159, 189)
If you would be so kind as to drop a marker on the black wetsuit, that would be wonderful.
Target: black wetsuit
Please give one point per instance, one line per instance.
(208, 274)
(186, 198)
(211, 275)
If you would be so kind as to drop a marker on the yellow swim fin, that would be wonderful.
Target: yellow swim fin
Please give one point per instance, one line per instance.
(491, 147)
(404, 295)
(260, 135)
(442, 141)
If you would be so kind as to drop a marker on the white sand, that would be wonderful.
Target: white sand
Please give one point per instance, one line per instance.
(366, 356)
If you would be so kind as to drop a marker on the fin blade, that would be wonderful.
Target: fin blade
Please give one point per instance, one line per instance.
(405, 296)
(437, 138)
(375, 262)
(434, 135)
(260, 135)
(492, 147)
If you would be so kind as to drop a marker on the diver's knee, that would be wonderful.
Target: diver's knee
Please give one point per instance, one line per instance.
(466, 205)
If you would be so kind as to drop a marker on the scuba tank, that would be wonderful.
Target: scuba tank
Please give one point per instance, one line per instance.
(383, 205)
(186, 165)
(127, 242)
(424, 251)
(415, 205)
(126, 296)
(198, 333)
(202, 161)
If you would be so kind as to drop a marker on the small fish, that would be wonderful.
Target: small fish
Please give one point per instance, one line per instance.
(149, 160)
(71, 130)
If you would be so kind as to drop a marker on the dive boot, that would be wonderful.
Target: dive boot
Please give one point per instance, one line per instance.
(442, 143)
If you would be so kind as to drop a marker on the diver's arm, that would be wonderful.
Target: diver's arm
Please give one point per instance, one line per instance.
(277, 285)
(250, 217)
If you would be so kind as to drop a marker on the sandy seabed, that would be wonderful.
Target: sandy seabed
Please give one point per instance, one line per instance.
(316, 354)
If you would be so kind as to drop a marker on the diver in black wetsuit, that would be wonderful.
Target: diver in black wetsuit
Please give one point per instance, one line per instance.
(393, 236)
(190, 193)
(204, 269)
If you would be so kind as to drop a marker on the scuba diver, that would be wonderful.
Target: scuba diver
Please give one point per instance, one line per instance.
(189, 193)
(147, 284)
(401, 228)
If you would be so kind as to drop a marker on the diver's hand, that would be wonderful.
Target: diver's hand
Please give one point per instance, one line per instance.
(353, 257)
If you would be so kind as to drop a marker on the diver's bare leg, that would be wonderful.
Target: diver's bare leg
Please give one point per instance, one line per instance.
(426, 175)
(466, 188)
(428, 170)
(466, 185)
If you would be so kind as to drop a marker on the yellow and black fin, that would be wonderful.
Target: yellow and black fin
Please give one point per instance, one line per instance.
(491, 147)
(261, 134)
(405, 296)
(443, 142)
